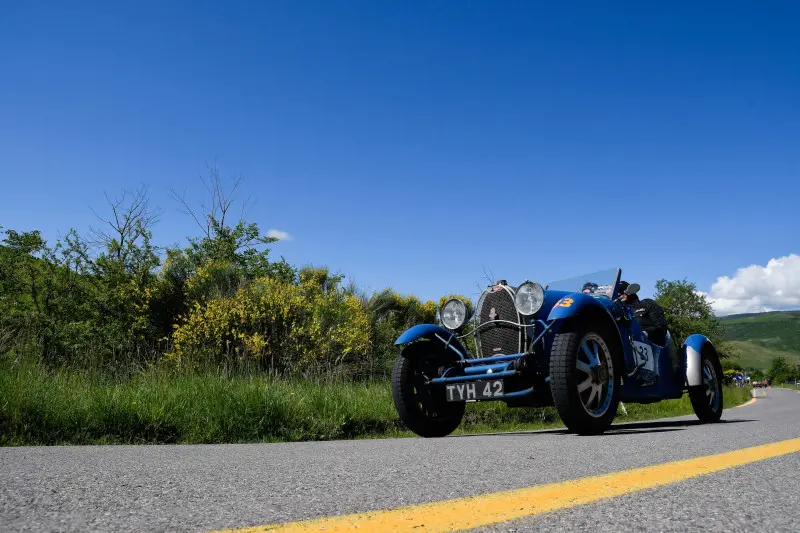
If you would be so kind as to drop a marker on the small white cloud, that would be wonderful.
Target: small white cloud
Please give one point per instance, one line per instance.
(280, 235)
(756, 288)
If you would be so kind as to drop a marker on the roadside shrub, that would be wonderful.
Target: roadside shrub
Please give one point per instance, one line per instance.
(287, 328)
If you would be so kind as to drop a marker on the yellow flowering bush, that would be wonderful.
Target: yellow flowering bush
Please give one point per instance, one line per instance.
(291, 328)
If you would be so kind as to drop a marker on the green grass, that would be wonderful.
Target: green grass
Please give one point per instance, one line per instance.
(732, 396)
(753, 355)
(45, 407)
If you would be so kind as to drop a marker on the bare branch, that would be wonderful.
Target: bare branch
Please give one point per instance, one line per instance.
(245, 212)
(187, 210)
(129, 221)
(221, 201)
(488, 275)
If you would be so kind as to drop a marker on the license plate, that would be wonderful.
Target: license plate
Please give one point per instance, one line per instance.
(477, 390)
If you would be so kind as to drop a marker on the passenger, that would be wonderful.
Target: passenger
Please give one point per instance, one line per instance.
(648, 313)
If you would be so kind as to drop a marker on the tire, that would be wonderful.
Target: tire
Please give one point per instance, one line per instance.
(707, 399)
(585, 394)
(423, 409)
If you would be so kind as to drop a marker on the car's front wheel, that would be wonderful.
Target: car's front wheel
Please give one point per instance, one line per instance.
(422, 407)
(584, 381)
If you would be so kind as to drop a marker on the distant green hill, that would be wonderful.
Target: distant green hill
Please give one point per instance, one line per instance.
(761, 336)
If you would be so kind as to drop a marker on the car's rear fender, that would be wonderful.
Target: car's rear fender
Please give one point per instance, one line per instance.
(693, 349)
(432, 332)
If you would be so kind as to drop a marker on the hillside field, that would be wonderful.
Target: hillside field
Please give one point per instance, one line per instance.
(760, 337)
(752, 355)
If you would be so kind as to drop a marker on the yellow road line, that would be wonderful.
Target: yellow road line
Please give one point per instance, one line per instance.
(751, 401)
(482, 510)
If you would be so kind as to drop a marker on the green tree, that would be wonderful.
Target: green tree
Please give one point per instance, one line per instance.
(229, 251)
(83, 303)
(779, 370)
(124, 273)
(729, 364)
(689, 312)
(42, 290)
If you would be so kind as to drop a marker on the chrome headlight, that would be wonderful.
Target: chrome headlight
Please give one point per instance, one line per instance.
(454, 313)
(529, 298)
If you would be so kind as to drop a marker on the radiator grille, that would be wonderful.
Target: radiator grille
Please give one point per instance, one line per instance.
(498, 338)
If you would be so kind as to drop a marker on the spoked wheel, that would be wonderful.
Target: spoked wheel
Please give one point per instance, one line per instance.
(423, 408)
(707, 397)
(584, 382)
(594, 363)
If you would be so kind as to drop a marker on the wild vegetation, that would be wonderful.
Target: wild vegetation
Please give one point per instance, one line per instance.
(115, 303)
(109, 336)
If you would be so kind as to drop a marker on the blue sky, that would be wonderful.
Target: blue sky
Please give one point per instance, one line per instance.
(415, 144)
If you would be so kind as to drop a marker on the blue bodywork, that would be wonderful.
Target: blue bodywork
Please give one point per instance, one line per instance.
(676, 368)
(578, 303)
(432, 331)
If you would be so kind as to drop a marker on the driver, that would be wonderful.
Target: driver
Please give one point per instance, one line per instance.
(589, 287)
(648, 313)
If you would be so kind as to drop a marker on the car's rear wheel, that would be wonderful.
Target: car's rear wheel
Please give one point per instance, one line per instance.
(707, 397)
(423, 408)
(583, 380)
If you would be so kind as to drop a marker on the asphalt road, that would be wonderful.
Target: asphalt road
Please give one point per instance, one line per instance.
(204, 488)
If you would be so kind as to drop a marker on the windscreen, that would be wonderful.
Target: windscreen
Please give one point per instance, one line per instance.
(600, 283)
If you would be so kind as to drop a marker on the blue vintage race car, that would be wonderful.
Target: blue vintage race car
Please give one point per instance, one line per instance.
(572, 344)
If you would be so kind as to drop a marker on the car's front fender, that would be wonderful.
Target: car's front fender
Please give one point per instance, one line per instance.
(572, 304)
(432, 331)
